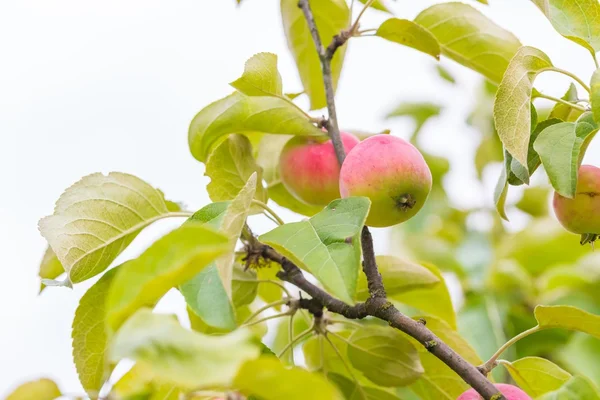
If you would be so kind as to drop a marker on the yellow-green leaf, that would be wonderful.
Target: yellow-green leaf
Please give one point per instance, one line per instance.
(398, 276)
(512, 112)
(565, 112)
(179, 356)
(170, 261)
(268, 379)
(331, 17)
(568, 317)
(50, 267)
(378, 5)
(261, 77)
(576, 388)
(408, 33)
(327, 245)
(470, 38)
(537, 376)
(95, 220)
(238, 113)
(41, 389)
(384, 356)
(354, 392)
(595, 95)
(90, 336)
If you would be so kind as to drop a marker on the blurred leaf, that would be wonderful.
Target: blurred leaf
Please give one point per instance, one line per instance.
(384, 356)
(229, 167)
(170, 261)
(595, 95)
(179, 356)
(260, 77)
(434, 301)
(244, 287)
(501, 189)
(241, 315)
(352, 391)
(489, 151)
(408, 33)
(559, 147)
(50, 267)
(293, 96)
(576, 388)
(563, 111)
(282, 335)
(95, 220)
(269, 292)
(242, 114)
(580, 355)
(439, 381)
(568, 317)
(439, 167)
(331, 17)
(537, 376)
(569, 277)
(378, 5)
(419, 112)
(264, 377)
(90, 336)
(444, 74)
(512, 113)
(534, 201)
(41, 389)
(398, 276)
(508, 276)
(138, 384)
(470, 38)
(327, 245)
(577, 20)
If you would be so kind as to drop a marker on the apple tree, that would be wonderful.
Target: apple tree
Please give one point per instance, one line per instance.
(367, 326)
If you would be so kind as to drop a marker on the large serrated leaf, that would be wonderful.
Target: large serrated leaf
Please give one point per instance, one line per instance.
(41, 389)
(577, 20)
(238, 113)
(331, 17)
(408, 33)
(263, 378)
(537, 376)
(181, 357)
(170, 261)
(327, 245)
(261, 77)
(90, 335)
(95, 220)
(384, 356)
(568, 317)
(470, 38)
(512, 113)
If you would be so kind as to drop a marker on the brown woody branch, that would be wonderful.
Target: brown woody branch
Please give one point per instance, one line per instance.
(377, 305)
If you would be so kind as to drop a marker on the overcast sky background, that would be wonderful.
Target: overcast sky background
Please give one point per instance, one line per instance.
(112, 86)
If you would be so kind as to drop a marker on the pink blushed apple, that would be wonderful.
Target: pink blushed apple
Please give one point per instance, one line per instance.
(310, 170)
(509, 391)
(392, 173)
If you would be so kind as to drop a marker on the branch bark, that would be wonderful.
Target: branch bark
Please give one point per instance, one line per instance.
(377, 305)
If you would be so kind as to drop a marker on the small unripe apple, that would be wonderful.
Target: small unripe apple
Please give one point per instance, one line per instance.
(509, 391)
(392, 173)
(581, 214)
(310, 170)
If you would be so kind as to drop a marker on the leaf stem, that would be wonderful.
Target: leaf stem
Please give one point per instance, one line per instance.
(354, 26)
(562, 101)
(571, 75)
(287, 292)
(295, 340)
(280, 315)
(179, 214)
(491, 363)
(269, 210)
(266, 307)
(291, 336)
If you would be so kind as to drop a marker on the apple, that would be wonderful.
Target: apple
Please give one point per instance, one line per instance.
(310, 170)
(392, 173)
(511, 392)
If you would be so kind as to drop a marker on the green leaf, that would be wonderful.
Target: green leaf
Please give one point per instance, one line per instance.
(534, 201)
(327, 245)
(212, 214)
(398, 276)
(95, 220)
(431, 300)
(378, 5)
(50, 267)
(595, 95)
(577, 20)
(384, 356)
(501, 189)
(331, 17)
(230, 166)
(470, 38)
(512, 113)
(352, 391)
(580, 355)
(181, 357)
(563, 111)
(41, 389)
(577, 388)
(282, 335)
(238, 113)
(439, 381)
(559, 147)
(261, 77)
(170, 261)
(537, 376)
(408, 33)
(420, 112)
(90, 336)
(444, 74)
(244, 286)
(568, 317)
(263, 378)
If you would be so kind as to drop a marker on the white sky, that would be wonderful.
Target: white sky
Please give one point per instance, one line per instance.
(112, 85)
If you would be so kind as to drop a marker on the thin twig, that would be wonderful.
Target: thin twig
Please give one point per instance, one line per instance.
(269, 210)
(266, 307)
(291, 335)
(295, 340)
